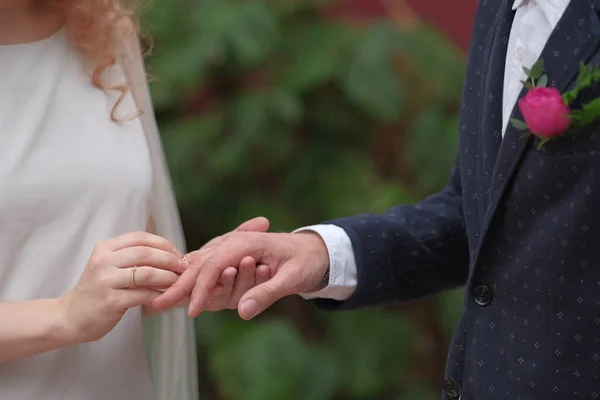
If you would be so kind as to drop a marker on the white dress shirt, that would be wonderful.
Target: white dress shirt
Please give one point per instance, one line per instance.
(534, 22)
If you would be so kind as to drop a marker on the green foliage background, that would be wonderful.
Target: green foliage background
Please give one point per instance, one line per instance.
(271, 108)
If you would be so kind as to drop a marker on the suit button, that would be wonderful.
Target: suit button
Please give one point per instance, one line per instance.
(482, 295)
(452, 388)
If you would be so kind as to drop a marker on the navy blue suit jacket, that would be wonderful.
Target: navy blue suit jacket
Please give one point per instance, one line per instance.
(518, 226)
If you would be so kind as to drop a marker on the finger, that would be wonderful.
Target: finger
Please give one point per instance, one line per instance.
(179, 290)
(218, 299)
(183, 303)
(215, 292)
(258, 224)
(140, 238)
(142, 255)
(206, 267)
(244, 281)
(263, 274)
(129, 298)
(177, 252)
(149, 310)
(184, 263)
(261, 297)
(144, 277)
(198, 303)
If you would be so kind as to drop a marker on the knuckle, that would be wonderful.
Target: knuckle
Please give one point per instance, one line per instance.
(215, 242)
(143, 254)
(156, 241)
(139, 235)
(97, 260)
(99, 247)
(145, 275)
(268, 293)
(112, 301)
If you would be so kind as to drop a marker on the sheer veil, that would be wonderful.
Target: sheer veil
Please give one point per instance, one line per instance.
(170, 336)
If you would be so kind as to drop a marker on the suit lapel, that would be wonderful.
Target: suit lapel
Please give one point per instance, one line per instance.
(574, 40)
(491, 109)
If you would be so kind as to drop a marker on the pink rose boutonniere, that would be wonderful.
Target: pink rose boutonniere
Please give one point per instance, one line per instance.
(547, 112)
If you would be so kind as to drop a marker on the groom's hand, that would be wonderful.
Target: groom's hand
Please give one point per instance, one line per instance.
(298, 262)
(235, 281)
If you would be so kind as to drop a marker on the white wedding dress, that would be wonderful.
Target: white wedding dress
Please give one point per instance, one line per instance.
(69, 178)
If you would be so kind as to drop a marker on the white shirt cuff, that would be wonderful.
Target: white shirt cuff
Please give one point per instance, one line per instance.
(342, 263)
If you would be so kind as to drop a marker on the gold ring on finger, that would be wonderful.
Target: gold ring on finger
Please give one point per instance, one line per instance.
(133, 276)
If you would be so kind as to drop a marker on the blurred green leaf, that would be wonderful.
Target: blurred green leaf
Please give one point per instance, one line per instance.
(371, 80)
(315, 52)
(420, 393)
(274, 108)
(433, 130)
(450, 306)
(271, 361)
(372, 347)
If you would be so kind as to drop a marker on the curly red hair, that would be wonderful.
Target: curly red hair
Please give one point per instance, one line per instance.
(96, 28)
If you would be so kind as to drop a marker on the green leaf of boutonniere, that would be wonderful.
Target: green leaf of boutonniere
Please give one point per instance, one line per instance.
(527, 84)
(537, 70)
(520, 125)
(588, 76)
(588, 114)
(543, 81)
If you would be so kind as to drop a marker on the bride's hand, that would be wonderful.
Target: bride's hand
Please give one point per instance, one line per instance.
(110, 285)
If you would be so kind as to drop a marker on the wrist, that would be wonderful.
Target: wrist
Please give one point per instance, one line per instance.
(319, 254)
(63, 330)
(323, 283)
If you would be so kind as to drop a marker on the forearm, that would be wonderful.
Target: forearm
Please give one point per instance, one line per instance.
(31, 327)
(424, 258)
(408, 251)
(341, 278)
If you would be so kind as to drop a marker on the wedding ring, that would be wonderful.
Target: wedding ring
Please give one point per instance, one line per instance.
(133, 276)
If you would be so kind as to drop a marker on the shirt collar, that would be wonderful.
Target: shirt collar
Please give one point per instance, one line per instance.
(552, 9)
(517, 4)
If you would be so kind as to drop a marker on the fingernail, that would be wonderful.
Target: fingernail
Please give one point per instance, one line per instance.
(250, 308)
(183, 264)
